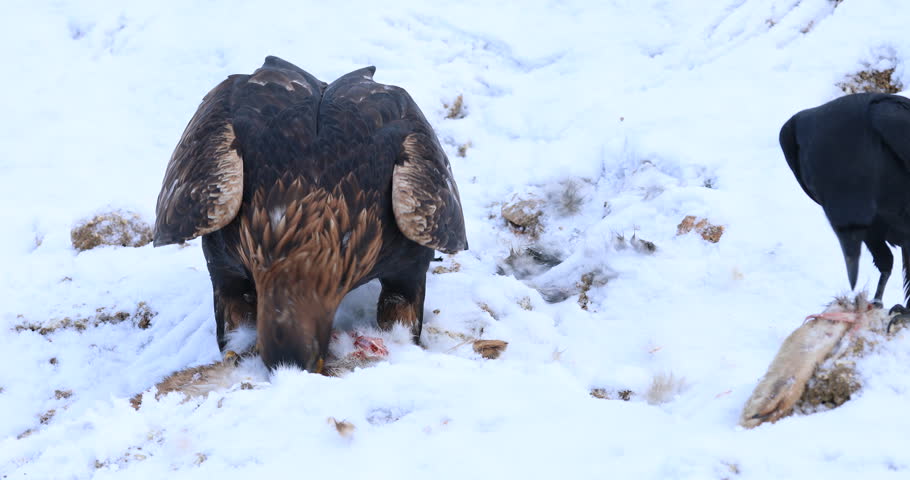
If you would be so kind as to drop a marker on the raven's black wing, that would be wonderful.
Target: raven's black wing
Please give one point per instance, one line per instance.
(890, 117)
(790, 147)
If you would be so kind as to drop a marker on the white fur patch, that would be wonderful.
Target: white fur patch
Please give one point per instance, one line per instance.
(242, 339)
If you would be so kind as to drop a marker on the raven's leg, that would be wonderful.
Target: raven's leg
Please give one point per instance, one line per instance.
(903, 314)
(881, 257)
(402, 297)
(234, 297)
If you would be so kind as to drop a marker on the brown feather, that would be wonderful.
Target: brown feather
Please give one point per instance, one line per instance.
(424, 196)
(203, 184)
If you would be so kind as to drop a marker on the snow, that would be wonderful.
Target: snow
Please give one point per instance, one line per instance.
(639, 104)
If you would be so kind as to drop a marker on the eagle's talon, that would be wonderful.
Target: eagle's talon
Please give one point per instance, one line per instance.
(898, 309)
(902, 318)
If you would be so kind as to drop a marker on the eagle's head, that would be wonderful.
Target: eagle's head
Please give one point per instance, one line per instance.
(293, 322)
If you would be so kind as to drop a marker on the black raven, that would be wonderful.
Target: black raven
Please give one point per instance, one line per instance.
(852, 156)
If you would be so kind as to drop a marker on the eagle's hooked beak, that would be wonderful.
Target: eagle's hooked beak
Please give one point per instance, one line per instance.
(286, 340)
(851, 241)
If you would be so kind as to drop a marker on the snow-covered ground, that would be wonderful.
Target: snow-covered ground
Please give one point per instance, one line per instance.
(647, 110)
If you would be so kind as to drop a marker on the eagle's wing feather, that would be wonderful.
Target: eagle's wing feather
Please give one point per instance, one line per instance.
(203, 184)
(424, 196)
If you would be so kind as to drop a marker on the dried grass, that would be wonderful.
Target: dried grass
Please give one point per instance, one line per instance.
(116, 228)
(664, 387)
(456, 109)
(874, 81)
(142, 317)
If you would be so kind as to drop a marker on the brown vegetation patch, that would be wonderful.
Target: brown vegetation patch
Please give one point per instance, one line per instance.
(47, 416)
(116, 228)
(567, 198)
(141, 316)
(703, 227)
(873, 81)
(605, 394)
(61, 394)
(456, 109)
(490, 349)
(463, 149)
(490, 312)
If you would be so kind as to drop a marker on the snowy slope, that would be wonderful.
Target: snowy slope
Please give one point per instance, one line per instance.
(649, 110)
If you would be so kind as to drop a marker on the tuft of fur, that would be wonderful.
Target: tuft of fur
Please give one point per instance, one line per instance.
(241, 339)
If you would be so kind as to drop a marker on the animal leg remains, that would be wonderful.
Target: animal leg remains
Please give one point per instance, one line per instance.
(846, 317)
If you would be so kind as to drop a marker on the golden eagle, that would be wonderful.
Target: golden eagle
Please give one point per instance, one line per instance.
(303, 191)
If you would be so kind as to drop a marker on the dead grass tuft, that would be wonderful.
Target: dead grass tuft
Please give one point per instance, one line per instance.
(490, 311)
(463, 149)
(605, 394)
(525, 303)
(62, 394)
(141, 317)
(874, 81)
(584, 285)
(568, 199)
(47, 416)
(664, 387)
(490, 349)
(116, 228)
(456, 109)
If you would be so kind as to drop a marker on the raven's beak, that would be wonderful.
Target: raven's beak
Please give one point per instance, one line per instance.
(851, 242)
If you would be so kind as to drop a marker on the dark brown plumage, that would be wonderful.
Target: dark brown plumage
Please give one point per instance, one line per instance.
(303, 191)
